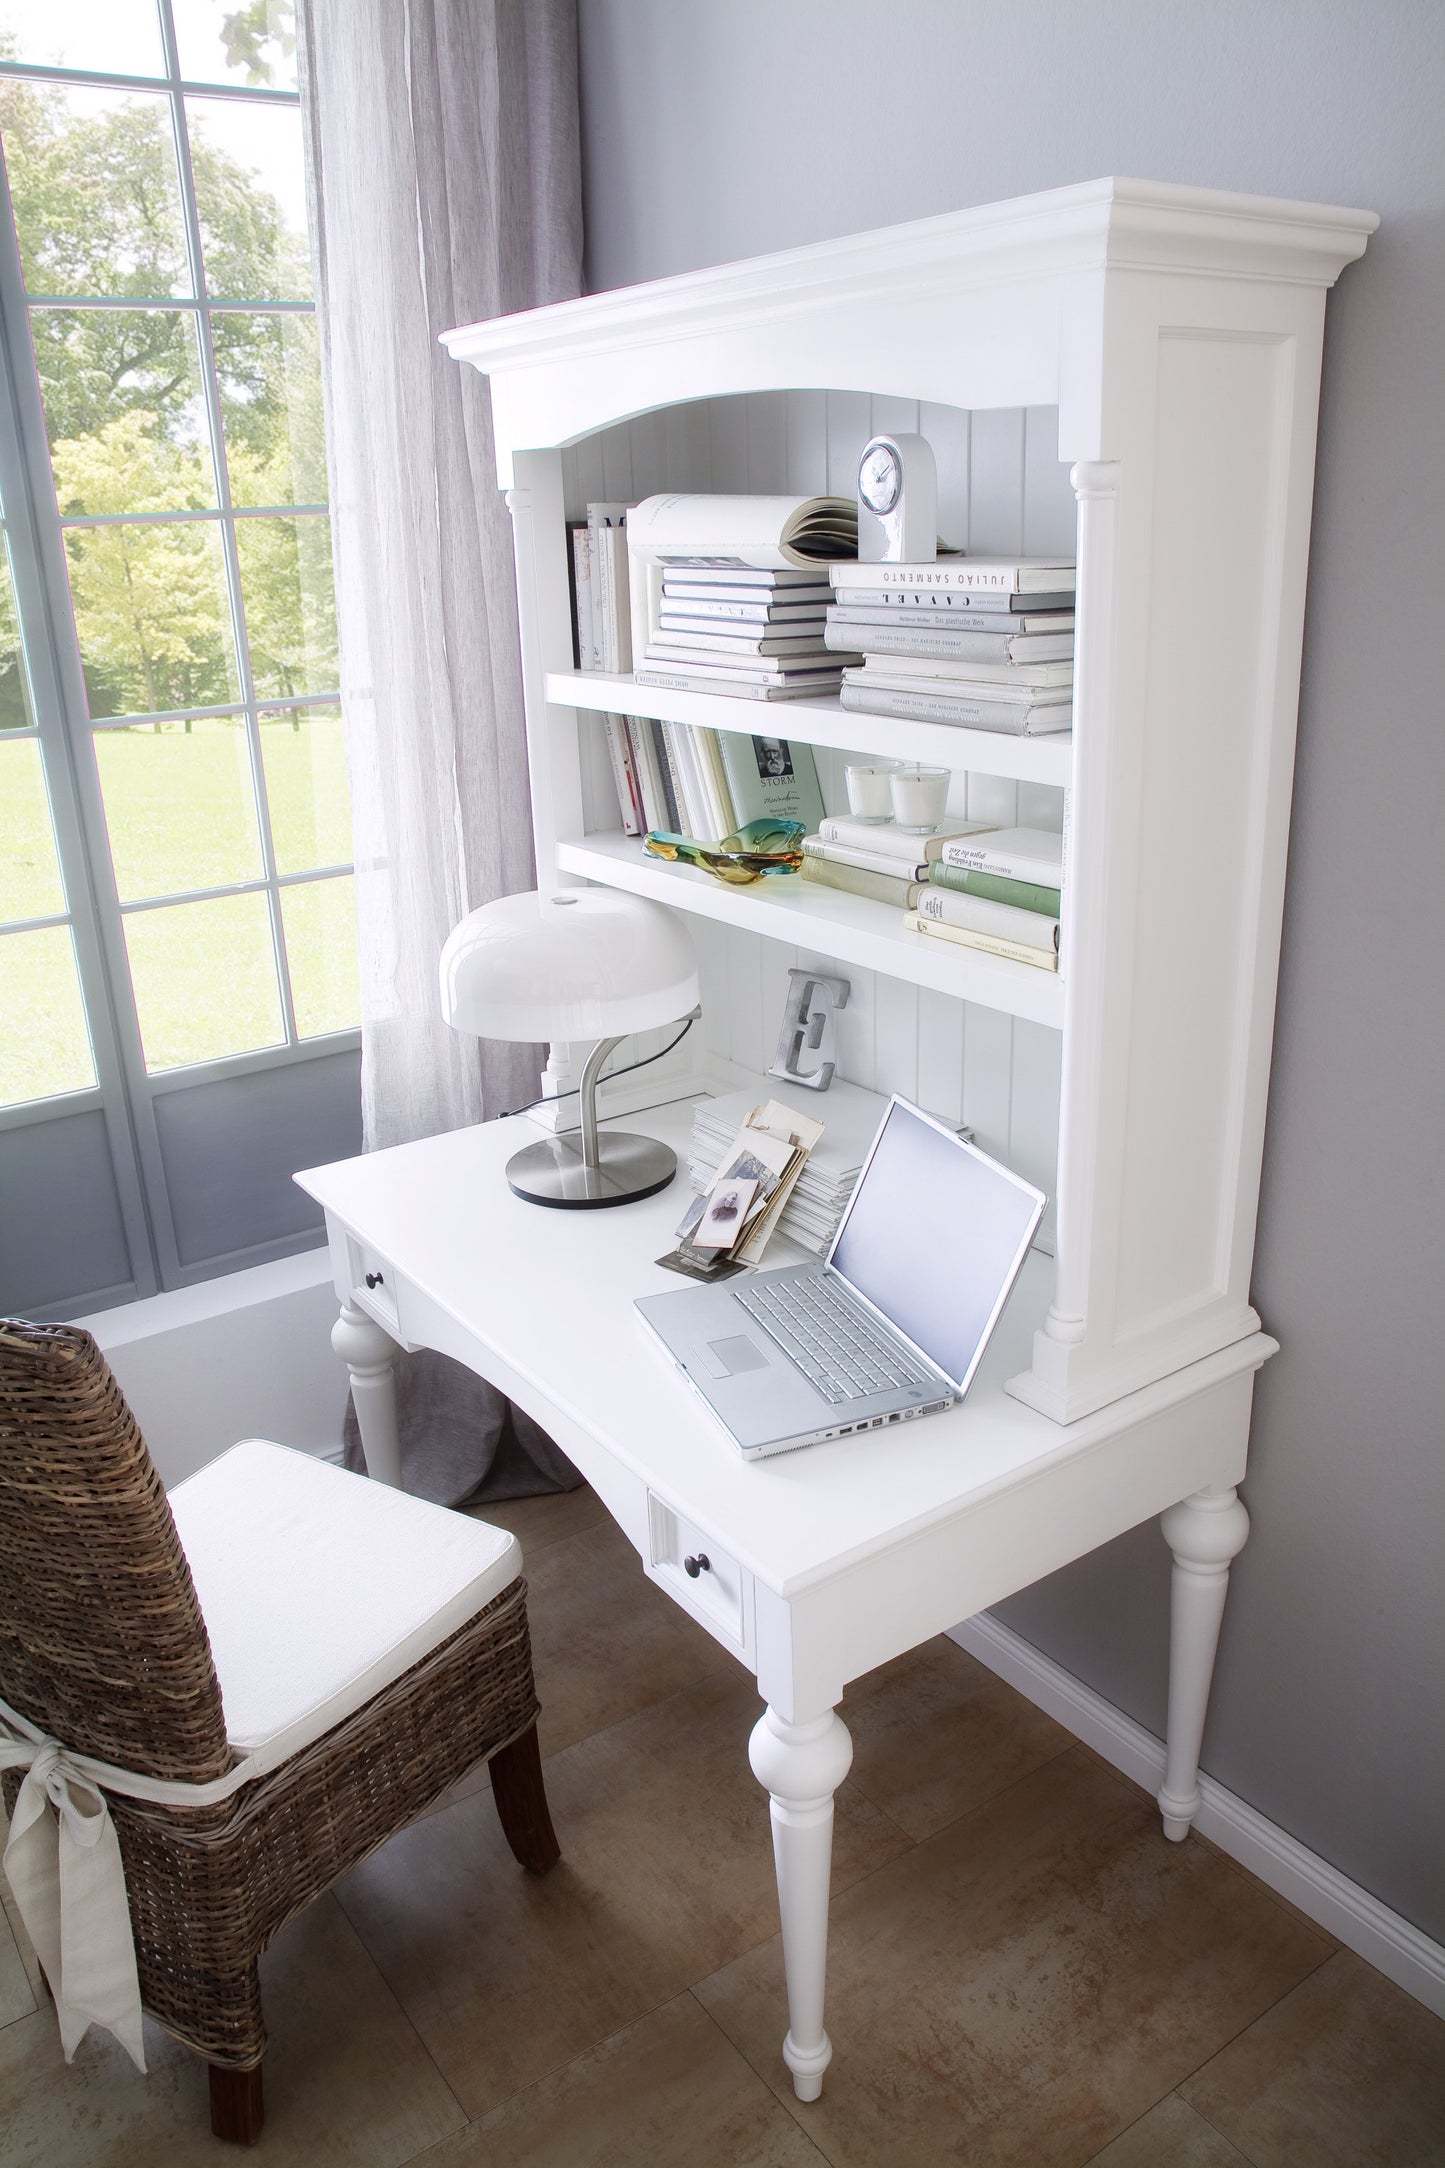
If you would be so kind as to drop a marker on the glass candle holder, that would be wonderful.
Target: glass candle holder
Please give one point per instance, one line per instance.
(919, 797)
(869, 798)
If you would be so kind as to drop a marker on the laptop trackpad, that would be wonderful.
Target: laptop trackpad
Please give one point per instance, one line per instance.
(727, 1358)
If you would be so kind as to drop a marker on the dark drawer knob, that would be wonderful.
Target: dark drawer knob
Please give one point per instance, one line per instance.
(373, 1279)
(692, 1567)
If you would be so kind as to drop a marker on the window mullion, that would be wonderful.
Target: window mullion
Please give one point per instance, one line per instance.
(211, 388)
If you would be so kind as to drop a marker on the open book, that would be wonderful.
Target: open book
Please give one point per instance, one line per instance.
(769, 533)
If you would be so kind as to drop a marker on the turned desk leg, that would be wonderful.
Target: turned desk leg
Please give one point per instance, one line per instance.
(1204, 1532)
(368, 1353)
(801, 1766)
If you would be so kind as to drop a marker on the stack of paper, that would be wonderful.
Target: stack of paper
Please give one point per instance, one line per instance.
(810, 1216)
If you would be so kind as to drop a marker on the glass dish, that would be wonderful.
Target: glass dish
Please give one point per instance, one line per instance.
(762, 847)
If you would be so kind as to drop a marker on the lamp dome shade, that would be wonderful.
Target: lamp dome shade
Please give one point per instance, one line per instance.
(585, 963)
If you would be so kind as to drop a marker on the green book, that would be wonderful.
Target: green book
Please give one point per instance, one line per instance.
(771, 779)
(1024, 895)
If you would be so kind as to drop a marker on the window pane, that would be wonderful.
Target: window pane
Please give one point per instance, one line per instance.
(226, 41)
(180, 806)
(29, 869)
(93, 181)
(44, 1045)
(16, 711)
(109, 37)
(251, 197)
(320, 923)
(124, 409)
(270, 376)
(205, 980)
(306, 788)
(290, 608)
(153, 616)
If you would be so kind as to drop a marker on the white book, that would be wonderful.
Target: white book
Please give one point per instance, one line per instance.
(960, 575)
(619, 752)
(1005, 920)
(811, 661)
(945, 676)
(1019, 854)
(587, 649)
(1046, 715)
(684, 602)
(742, 639)
(737, 688)
(757, 533)
(943, 644)
(895, 843)
(614, 611)
(951, 602)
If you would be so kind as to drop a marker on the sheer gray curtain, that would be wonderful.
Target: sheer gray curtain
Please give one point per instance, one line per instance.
(442, 143)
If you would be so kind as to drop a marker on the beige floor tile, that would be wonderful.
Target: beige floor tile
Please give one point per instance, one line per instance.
(348, 2085)
(17, 1997)
(1021, 1988)
(25, 1949)
(666, 1873)
(668, 2092)
(606, 1644)
(1171, 2135)
(537, 1522)
(935, 1734)
(1346, 2072)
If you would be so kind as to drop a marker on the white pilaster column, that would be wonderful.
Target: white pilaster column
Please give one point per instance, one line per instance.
(801, 1766)
(369, 1354)
(1205, 1533)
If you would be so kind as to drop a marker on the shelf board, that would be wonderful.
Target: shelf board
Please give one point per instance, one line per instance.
(824, 722)
(855, 930)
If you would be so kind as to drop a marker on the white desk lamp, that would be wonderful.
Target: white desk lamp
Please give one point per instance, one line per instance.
(585, 963)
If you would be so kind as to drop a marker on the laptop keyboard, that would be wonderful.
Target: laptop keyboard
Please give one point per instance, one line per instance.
(830, 1338)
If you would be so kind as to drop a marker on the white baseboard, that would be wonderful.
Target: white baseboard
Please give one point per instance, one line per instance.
(1321, 1891)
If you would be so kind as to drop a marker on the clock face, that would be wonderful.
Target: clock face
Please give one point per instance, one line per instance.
(880, 478)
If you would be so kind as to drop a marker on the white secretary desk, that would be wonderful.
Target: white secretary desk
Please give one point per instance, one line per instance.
(1171, 337)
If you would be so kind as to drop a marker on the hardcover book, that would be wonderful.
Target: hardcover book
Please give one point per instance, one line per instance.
(961, 575)
(770, 778)
(1019, 952)
(1019, 854)
(1013, 716)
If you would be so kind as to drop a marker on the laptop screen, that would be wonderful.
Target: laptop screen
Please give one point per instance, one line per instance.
(934, 1236)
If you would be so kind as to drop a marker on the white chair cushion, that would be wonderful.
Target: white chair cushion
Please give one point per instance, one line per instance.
(319, 1587)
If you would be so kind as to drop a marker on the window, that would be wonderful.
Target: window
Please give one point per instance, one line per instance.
(177, 939)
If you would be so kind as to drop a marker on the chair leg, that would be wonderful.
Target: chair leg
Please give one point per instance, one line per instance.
(237, 2107)
(522, 1803)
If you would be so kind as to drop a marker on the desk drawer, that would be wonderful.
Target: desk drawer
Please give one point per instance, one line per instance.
(699, 1575)
(373, 1284)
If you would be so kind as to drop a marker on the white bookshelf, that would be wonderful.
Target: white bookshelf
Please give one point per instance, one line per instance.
(1159, 345)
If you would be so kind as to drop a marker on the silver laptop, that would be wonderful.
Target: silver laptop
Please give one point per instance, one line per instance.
(893, 1323)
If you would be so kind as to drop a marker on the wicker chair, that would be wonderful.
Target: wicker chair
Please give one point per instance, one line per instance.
(104, 1647)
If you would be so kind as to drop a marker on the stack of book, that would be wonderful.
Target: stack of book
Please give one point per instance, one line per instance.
(989, 646)
(875, 859)
(707, 783)
(740, 629)
(996, 889)
(850, 1116)
(1000, 891)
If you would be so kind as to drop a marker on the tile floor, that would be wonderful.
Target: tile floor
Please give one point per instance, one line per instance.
(1022, 1971)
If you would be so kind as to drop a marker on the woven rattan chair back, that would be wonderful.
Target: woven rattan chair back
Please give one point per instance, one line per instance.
(102, 1643)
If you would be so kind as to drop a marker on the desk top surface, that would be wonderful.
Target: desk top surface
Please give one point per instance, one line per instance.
(550, 1295)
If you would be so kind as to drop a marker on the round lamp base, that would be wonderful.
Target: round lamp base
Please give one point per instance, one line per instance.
(553, 1172)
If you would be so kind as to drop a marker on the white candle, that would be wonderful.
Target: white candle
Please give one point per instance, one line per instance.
(919, 797)
(868, 794)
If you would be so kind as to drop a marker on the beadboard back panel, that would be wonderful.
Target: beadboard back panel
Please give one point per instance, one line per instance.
(1001, 488)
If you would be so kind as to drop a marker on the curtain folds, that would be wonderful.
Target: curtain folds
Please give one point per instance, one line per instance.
(444, 172)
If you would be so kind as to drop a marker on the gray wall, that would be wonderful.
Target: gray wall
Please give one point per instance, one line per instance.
(722, 128)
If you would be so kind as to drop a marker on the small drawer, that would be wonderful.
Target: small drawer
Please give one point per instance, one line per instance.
(698, 1574)
(373, 1286)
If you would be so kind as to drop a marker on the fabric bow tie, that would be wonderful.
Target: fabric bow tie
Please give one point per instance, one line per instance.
(63, 1863)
